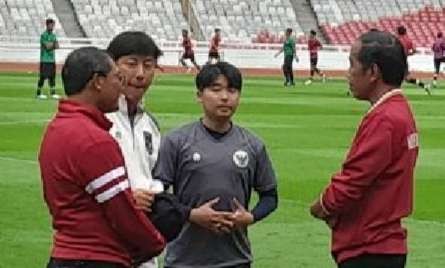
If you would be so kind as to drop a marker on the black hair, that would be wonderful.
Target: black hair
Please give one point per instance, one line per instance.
(49, 21)
(210, 72)
(401, 30)
(185, 30)
(289, 30)
(133, 43)
(314, 33)
(80, 66)
(384, 50)
(217, 30)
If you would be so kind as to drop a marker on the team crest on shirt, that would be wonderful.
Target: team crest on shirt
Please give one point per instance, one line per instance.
(196, 157)
(241, 158)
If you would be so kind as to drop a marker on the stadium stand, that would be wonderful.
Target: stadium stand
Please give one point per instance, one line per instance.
(342, 21)
(247, 20)
(241, 21)
(26, 18)
(105, 18)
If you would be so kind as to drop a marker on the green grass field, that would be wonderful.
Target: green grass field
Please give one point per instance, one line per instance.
(307, 130)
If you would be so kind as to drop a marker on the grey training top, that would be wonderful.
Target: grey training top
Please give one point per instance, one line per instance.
(201, 168)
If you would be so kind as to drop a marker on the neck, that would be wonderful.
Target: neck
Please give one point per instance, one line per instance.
(379, 91)
(220, 126)
(84, 98)
(132, 109)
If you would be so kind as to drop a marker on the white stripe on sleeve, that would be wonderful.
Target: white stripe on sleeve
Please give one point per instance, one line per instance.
(104, 179)
(113, 191)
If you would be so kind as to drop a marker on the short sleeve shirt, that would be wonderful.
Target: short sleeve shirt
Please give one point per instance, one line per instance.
(201, 168)
(47, 55)
(289, 47)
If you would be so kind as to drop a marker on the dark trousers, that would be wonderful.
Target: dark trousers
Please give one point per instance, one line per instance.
(375, 261)
(287, 69)
(47, 71)
(437, 63)
(61, 263)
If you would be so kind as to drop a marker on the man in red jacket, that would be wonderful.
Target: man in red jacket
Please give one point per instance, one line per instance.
(373, 191)
(85, 185)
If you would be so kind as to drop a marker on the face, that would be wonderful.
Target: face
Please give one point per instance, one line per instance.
(219, 102)
(138, 72)
(111, 87)
(360, 80)
(184, 34)
(50, 27)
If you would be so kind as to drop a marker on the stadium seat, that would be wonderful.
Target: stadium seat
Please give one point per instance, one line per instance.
(242, 20)
(161, 18)
(423, 18)
(22, 19)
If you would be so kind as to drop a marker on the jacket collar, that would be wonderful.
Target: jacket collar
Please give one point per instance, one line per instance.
(384, 98)
(123, 106)
(69, 107)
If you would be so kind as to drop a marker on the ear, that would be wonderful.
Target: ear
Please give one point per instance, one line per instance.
(98, 82)
(199, 96)
(376, 74)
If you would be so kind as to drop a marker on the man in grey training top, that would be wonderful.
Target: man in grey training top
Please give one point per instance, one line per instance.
(213, 166)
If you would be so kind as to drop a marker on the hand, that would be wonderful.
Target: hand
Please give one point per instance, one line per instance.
(317, 211)
(210, 219)
(331, 221)
(49, 45)
(144, 199)
(241, 217)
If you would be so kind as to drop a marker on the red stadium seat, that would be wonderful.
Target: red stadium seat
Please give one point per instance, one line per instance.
(422, 26)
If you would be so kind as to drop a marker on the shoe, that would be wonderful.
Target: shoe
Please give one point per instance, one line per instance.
(434, 84)
(292, 84)
(42, 97)
(308, 82)
(427, 89)
(55, 96)
(286, 84)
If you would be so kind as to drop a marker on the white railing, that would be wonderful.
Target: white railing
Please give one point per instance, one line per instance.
(247, 55)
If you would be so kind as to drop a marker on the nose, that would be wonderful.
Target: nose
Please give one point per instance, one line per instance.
(140, 72)
(224, 94)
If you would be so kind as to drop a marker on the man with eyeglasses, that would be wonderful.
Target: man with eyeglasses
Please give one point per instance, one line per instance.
(95, 219)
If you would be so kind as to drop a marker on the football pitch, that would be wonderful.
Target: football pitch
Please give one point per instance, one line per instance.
(307, 130)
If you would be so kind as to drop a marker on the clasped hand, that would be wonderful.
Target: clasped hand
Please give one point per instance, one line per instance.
(221, 221)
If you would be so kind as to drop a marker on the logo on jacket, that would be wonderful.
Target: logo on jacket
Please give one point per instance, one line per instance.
(148, 139)
(241, 158)
(196, 157)
(413, 141)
